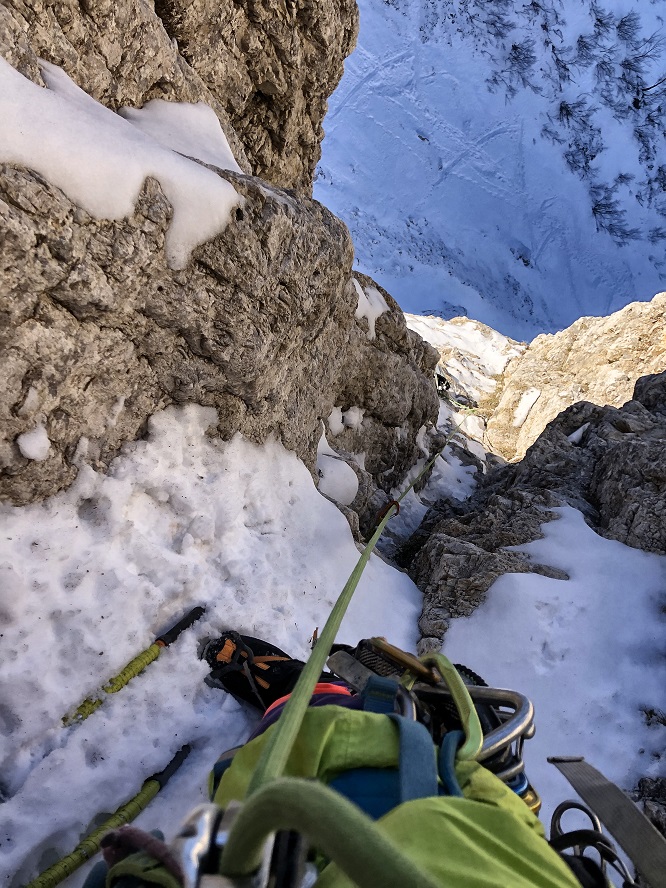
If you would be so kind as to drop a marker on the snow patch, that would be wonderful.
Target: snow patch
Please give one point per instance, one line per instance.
(371, 304)
(353, 418)
(527, 400)
(586, 651)
(336, 479)
(336, 423)
(34, 444)
(101, 161)
(190, 129)
(577, 436)
(421, 442)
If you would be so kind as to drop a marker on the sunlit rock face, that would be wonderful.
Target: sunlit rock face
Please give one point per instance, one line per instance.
(595, 359)
(607, 462)
(272, 66)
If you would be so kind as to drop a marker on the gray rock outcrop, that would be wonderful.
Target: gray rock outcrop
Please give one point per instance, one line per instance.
(98, 333)
(272, 66)
(607, 462)
(597, 360)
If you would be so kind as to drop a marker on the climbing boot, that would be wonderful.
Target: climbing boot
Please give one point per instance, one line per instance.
(250, 669)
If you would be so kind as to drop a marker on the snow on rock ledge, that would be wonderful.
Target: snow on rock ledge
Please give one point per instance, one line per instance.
(101, 161)
(260, 326)
(266, 69)
(109, 316)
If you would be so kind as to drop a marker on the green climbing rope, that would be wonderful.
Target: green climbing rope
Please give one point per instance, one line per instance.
(469, 717)
(361, 850)
(275, 755)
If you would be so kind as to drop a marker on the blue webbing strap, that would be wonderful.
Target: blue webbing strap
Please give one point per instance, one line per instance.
(447, 762)
(417, 765)
(416, 762)
(379, 695)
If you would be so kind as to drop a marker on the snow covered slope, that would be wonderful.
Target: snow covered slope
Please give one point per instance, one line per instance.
(463, 200)
(90, 577)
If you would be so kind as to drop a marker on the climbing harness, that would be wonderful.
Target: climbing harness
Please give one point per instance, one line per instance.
(328, 820)
(505, 718)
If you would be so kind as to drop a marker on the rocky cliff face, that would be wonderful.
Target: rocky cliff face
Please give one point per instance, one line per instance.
(606, 462)
(272, 66)
(264, 321)
(602, 454)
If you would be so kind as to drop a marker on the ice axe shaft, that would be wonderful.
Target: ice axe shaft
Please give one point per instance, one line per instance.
(125, 814)
(133, 668)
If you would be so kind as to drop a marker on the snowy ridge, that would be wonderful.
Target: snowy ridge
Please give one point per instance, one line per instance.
(473, 355)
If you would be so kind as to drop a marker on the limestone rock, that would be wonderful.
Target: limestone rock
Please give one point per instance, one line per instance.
(472, 358)
(652, 792)
(458, 553)
(272, 66)
(98, 333)
(266, 69)
(378, 389)
(596, 360)
(607, 462)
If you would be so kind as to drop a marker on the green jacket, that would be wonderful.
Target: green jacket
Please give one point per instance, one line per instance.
(488, 839)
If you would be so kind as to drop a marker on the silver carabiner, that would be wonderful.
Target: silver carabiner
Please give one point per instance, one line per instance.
(568, 805)
(607, 853)
(195, 840)
(199, 845)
